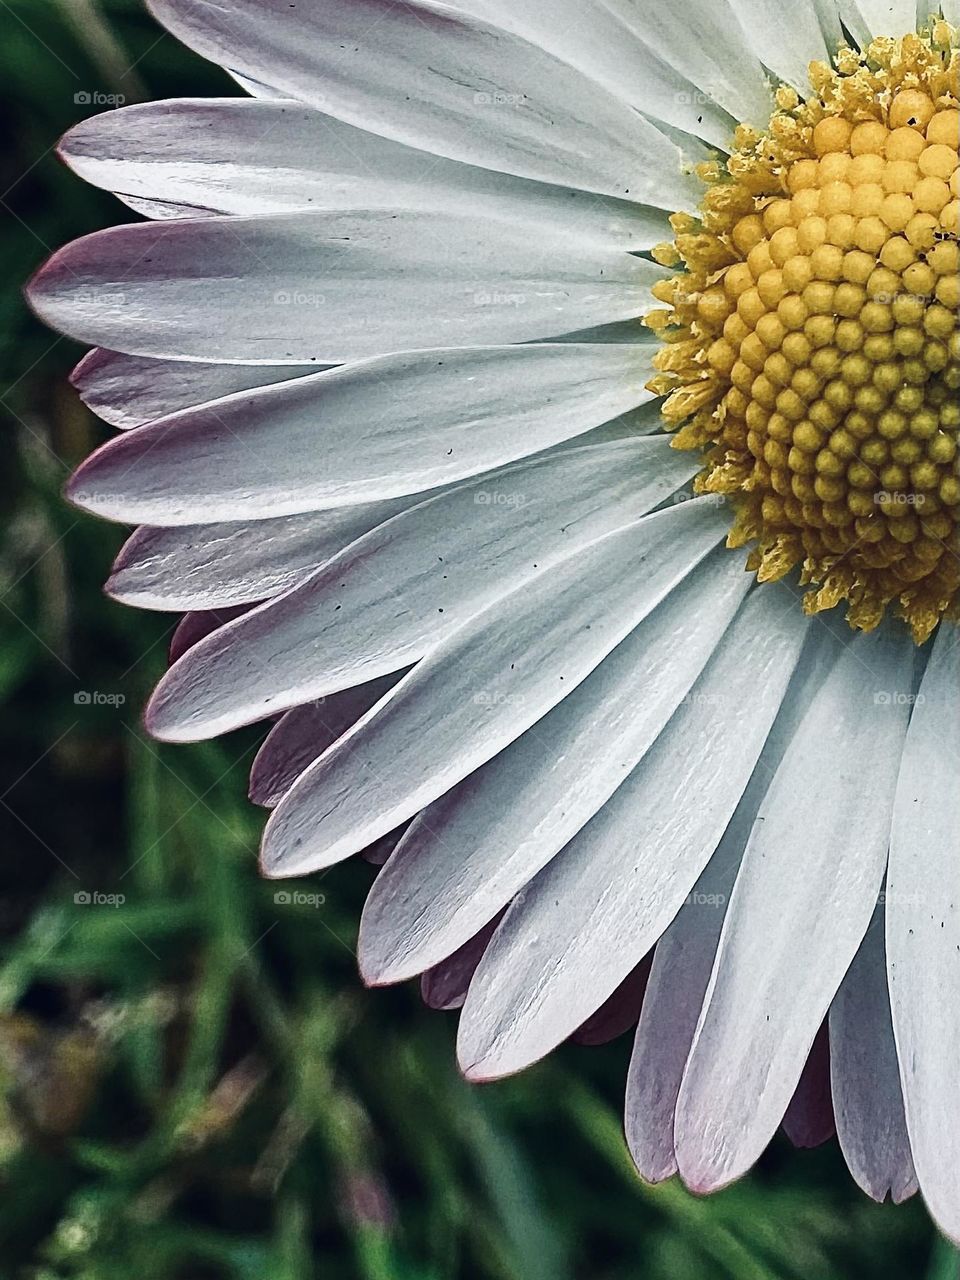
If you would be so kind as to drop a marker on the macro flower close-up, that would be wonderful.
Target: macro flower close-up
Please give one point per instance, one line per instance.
(545, 415)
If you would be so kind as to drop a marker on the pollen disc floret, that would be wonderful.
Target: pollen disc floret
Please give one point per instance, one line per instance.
(811, 346)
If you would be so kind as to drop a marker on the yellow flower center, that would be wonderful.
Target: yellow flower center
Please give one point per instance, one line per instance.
(810, 345)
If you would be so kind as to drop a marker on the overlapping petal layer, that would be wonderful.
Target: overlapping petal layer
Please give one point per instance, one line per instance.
(613, 756)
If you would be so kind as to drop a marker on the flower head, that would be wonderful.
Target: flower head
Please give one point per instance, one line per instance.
(401, 404)
(812, 343)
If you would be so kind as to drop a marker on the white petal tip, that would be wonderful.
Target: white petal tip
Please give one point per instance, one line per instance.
(372, 961)
(47, 292)
(117, 588)
(379, 970)
(881, 1190)
(702, 1176)
(902, 1193)
(261, 794)
(70, 148)
(279, 863)
(705, 1183)
(287, 851)
(372, 981)
(481, 1072)
(79, 375)
(85, 488)
(654, 1171)
(495, 1057)
(161, 722)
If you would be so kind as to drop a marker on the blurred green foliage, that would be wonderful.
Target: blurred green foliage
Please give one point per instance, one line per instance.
(194, 1082)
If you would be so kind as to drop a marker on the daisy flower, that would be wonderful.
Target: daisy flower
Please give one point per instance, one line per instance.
(548, 413)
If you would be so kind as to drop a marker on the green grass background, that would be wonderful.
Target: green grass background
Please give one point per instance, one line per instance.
(194, 1083)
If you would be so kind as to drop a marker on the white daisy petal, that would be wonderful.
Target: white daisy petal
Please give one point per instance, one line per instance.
(594, 911)
(209, 566)
(303, 734)
(848, 14)
(867, 1099)
(808, 1120)
(622, 332)
(678, 979)
(445, 985)
(619, 1012)
(378, 852)
(329, 287)
(630, 45)
(706, 43)
(830, 13)
(923, 932)
(785, 38)
(242, 156)
(894, 17)
(604, 42)
(423, 74)
(436, 725)
(695, 151)
(256, 88)
(197, 625)
(127, 391)
(367, 432)
(402, 588)
(161, 210)
(467, 855)
(762, 1010)
(685, 954)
